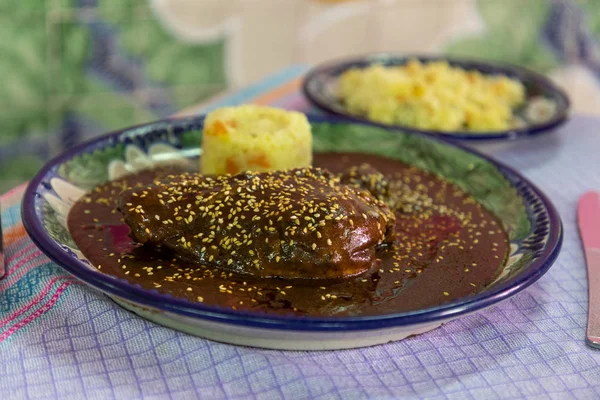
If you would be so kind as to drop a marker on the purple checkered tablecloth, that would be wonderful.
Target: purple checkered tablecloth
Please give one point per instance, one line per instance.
(61, 339)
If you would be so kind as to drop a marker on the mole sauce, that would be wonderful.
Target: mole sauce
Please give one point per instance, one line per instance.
(447, 246)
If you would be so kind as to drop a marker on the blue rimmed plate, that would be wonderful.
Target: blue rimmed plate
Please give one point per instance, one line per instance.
(533, 225)
(546, 106)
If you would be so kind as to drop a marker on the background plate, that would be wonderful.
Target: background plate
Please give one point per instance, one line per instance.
(320, 88)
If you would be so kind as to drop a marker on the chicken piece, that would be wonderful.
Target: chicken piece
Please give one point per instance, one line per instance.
(367, 177)
(294, 224)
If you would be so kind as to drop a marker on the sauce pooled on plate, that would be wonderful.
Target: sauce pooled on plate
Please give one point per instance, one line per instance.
(445, 246)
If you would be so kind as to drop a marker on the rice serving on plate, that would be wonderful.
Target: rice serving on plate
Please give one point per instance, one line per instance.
(255, 138)
(433, 96)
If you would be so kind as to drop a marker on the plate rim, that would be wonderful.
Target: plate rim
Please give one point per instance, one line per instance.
(151, 298)
(511, 134)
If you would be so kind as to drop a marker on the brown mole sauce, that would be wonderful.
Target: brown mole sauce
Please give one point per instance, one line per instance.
(447, 246)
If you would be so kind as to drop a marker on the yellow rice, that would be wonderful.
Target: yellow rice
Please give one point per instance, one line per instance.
(433, 96)
(255, 138)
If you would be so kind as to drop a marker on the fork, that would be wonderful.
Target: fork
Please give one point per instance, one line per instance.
(2, 269)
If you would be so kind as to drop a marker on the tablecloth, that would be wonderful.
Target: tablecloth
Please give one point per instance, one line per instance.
(62, 339)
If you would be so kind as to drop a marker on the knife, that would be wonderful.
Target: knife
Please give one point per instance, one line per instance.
(588, 216)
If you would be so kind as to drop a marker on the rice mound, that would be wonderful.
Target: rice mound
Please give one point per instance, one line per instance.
(254, 138)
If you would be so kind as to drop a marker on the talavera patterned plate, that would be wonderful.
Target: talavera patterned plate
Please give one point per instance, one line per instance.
(532, 222)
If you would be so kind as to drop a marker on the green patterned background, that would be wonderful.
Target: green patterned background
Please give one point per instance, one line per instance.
(73, 69)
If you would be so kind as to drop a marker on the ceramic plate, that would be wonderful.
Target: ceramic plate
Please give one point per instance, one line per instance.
(532, 222)
(546, 106)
